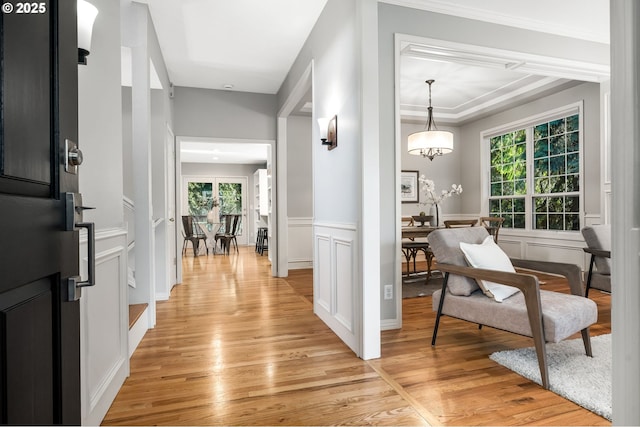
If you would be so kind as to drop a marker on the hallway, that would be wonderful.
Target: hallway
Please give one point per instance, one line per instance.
(234, 346)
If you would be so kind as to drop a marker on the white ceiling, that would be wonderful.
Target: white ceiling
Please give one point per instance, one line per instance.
(222, 152)
(251, 44)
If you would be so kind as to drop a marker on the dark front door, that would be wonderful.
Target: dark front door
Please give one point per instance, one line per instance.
(39, 328)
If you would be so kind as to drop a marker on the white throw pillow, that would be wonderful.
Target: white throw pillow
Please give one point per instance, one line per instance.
(488, 255)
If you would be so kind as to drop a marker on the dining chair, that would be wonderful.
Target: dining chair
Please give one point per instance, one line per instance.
(231, 224)
(492, 224)
(193, 234)
(455, 223)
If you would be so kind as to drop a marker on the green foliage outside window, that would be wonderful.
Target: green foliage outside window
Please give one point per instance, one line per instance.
(555, 180)
(556, 173)
(509, 178)
(200, 198)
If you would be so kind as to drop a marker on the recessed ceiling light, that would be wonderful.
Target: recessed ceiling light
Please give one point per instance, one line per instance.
(227, 86)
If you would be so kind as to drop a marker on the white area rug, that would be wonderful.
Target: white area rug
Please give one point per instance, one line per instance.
(572, 374)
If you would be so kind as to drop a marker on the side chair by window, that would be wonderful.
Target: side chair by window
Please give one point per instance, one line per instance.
(598, 239)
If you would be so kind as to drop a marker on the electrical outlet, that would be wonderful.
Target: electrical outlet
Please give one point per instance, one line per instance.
(388, 291)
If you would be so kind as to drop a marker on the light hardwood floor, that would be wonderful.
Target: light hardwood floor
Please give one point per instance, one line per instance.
(234, 346)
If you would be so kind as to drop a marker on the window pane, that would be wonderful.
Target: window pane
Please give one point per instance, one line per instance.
(541, 185)
(540, 204)
(556, 204)
(573, 183)
(496, 189)
(507, 188)
(496, 157)
(541, 222)
(573, 163)
(556, 222)
(200, 198)
(557, 184)
(521, 152)
(520, 136)
(518, 221)
(556, 127)
(541, 148)
(508, 221)
(541, 131)
(494, 206)
(572, 222)
(518, 205)
(573, 123)
(573, 142)
(506, 205)
(556, 165)
(495, 143)
(571, 204)
(541, 167)
(520, 187)
(556, 145)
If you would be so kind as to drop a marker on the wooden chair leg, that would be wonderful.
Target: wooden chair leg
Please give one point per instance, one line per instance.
(586, 339)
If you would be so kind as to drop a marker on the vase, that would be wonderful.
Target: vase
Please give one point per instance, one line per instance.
(211, 217)
(435, 213)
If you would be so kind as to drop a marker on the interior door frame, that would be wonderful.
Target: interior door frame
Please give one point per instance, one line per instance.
(275, 222)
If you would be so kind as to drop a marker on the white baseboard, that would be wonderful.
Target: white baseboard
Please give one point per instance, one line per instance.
(300, 265)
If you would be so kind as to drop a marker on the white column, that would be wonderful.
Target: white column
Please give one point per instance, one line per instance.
(625, 147)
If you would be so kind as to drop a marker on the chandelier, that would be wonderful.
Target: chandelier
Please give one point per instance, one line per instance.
(430, 142)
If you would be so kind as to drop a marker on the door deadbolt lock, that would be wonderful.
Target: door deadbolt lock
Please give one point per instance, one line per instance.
(72, 156)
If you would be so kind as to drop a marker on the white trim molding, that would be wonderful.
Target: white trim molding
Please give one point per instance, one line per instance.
(300, 247)
(336, 284)
(104, 324)
(484, 14)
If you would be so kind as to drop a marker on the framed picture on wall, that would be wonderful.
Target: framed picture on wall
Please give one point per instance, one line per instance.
(409, 187)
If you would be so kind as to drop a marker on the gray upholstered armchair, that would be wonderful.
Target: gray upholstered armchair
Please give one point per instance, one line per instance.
(546, 316)
(598, 239)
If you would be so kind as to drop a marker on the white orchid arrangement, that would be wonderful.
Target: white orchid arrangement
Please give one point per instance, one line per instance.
(432, 196)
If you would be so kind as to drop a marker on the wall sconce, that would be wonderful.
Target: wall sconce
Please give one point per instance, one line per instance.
(86, 17)
(329, 132)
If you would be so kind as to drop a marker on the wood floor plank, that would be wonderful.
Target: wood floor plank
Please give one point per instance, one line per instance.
(234, 346)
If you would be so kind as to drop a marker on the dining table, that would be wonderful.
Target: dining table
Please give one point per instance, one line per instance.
(411, 232)
(210, 229)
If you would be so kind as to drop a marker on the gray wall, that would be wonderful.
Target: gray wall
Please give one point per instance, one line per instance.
(470, 138)
(100, 122)
(396, 19)
(224, 114)
(127, 141)
(299, 188)
(332, 45)
(444, 170)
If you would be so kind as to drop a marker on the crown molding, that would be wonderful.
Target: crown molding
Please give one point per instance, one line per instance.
(494, 17)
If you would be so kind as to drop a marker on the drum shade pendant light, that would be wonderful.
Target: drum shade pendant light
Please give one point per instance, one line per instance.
(430, 142)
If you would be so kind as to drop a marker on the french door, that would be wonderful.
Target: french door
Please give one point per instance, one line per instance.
(209, 198)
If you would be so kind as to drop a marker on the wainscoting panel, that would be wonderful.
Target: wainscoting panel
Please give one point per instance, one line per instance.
(336, 281)
(322, 276)
(300, 232)
(104, 325)
(344, 290)
(544, 246)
